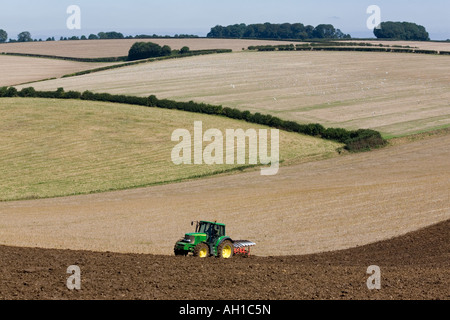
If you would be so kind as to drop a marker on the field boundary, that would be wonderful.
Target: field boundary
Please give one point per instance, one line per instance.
(131, 63)
(345, 47)
(43, 56)
(354, 141)
(116, 59)
(111, 60)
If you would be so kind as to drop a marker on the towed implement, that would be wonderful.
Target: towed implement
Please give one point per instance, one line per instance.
(210, 239)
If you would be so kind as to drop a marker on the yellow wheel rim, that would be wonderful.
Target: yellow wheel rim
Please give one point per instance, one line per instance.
(226, 252)
(203, 253)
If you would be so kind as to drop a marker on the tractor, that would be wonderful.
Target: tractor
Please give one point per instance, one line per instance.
(210, 240)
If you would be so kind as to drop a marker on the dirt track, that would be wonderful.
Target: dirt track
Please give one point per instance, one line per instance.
(415, 266)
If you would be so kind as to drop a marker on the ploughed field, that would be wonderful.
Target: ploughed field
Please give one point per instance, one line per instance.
(413, 267)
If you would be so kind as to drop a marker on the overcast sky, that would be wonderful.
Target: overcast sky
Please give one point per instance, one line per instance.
(44, 18)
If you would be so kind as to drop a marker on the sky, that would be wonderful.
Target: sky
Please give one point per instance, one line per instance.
(46, 18)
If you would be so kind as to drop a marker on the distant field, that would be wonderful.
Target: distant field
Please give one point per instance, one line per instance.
(117, 48)
(53, 148)
(16, 70)
(424, 45)
(396, 94)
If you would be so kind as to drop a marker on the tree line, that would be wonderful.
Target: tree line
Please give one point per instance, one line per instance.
(277, 31)
(25, 36)
(298, 31)
(146, 50)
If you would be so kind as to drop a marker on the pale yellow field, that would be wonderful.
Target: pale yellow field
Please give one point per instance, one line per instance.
(54, 148)
(424, 45)
(117, 48)
(17, 70)
(396, 94)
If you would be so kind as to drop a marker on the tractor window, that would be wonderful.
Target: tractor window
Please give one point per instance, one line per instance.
(220, 230)
(204, 228)
(214, 230)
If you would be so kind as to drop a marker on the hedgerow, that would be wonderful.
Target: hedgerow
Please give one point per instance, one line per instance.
(359, 140)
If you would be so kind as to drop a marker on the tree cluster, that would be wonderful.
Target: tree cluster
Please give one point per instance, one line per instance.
(3, 36)
(278, 31)
(146, 50)
(402, 31)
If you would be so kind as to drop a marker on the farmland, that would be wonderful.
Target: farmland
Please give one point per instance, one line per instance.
(423, 45)
(393, 93)
(312, 207)
(16, 70)
(54, 148)
(414, 266)
(92, 183)
(117, 48)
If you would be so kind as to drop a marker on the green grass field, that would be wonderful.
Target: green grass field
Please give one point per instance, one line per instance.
(52, 148)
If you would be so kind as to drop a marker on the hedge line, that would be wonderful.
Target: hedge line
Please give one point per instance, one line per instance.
(111, 59)
(175, 56)
(107, 59)
(330, 47)
(359, 140)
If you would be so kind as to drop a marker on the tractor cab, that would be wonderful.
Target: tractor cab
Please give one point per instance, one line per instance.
(210, 229)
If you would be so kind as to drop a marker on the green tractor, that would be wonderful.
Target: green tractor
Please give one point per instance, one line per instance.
(210, 239)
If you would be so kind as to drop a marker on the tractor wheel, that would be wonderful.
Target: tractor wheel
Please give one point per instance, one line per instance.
(201, 250)
(179, 252)
(225, 250)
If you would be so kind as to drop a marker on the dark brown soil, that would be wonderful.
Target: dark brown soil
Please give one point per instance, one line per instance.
(415, 266)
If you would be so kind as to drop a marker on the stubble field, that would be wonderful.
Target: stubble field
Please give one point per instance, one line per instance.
(118, 48)
(396, 94)
(55, 148)
(18, 70)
